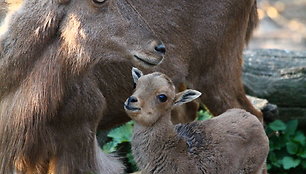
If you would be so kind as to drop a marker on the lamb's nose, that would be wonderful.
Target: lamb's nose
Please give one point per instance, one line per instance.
(160, 48)
(132, 99)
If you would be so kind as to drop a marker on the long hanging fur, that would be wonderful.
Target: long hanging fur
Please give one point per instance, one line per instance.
(27, 87)
(39, 135)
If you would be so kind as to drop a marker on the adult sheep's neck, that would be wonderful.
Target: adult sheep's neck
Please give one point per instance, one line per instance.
(157, 144)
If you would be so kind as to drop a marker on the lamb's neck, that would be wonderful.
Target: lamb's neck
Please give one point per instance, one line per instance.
(150, 144)
(161, 130)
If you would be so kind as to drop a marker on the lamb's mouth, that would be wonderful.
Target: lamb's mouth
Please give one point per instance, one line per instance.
(130, 108)
(147, 61)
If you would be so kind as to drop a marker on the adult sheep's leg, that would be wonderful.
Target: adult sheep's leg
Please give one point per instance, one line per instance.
(220, 74)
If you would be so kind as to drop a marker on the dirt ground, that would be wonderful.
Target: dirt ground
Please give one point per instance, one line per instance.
(282, 25)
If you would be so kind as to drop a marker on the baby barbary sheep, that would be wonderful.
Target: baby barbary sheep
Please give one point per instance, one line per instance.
(232, 143)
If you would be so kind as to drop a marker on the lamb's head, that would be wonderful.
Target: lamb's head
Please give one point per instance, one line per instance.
(154, 97)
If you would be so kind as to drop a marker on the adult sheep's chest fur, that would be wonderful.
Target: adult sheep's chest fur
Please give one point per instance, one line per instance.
(64, 65)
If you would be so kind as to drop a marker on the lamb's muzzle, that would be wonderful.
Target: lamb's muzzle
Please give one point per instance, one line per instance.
(128, 104)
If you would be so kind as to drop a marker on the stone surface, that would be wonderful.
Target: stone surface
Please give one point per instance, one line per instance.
(258, 103)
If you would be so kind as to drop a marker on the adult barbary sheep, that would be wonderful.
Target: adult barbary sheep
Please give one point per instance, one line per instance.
(64, 65)
(232, 143)
(51, 90)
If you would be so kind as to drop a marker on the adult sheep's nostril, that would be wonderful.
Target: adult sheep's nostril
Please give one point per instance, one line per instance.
(160, 48)
(132, 99)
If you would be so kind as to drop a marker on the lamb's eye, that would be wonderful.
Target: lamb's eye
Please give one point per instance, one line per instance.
(98, 1)
(162, 98)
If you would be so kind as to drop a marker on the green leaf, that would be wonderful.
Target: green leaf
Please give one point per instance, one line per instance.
(132, 161)
(273, 160)
(272, 157)
(269, 166)
(278, 142)
(110, 147)
(304, 164)
(204, 115)
(291, 127)
(303, 153)
(122, 133)
(292, 148)
(277, 125)
(289, 162)
(300, 138)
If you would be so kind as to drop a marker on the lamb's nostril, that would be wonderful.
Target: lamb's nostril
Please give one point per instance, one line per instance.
(160, 48)
(132, 99)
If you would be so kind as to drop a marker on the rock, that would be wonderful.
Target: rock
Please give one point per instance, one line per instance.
(270, 111)
(258, 103)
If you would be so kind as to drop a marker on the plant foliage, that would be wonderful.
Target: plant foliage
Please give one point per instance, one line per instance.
(287, 148)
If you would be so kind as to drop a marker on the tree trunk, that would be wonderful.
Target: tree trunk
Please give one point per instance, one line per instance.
(280, 77)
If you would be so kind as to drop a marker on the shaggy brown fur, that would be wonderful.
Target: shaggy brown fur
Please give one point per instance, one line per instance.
(64, 65)
(204, 42)
(51, 103)
(232, 143)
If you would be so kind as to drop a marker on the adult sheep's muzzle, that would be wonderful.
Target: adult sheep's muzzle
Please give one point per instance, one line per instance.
(152, 55)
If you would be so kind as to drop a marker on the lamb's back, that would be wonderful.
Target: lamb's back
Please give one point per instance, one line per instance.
(234, 142)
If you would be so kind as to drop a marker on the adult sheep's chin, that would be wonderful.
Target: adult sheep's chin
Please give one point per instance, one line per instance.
(151, 54)
(150, 58)
(147, 61)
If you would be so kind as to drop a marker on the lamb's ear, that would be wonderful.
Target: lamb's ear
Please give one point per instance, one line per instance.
(136, 73)
(186, 96)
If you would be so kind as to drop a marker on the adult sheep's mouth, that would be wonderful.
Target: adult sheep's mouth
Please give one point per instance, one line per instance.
(147, 61)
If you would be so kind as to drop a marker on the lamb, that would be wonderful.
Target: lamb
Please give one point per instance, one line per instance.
(232, 143)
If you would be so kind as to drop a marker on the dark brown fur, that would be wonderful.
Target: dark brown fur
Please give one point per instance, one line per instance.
(64, 67)
(204, 40)
(51, 103)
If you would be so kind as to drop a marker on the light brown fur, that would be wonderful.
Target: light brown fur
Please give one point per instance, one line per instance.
(64, 65)
(232, 143)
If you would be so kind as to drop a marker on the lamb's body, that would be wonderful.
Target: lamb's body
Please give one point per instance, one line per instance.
(232, 143)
